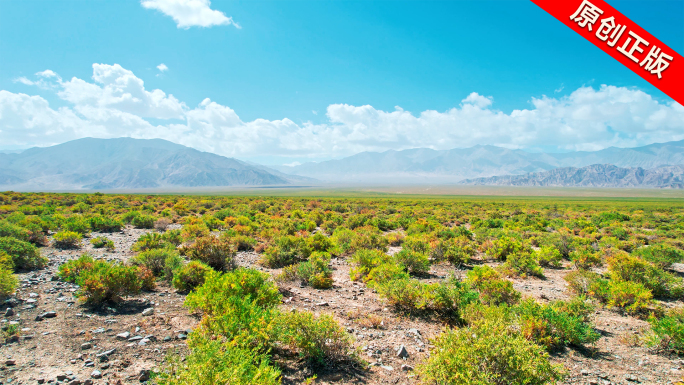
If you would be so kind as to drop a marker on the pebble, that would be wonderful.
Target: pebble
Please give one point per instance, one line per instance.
(148, 311)
(402, 352)
(96, 374)
(86, 346)
(123, 336)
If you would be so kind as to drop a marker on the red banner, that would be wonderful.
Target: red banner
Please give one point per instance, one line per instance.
(624, 40)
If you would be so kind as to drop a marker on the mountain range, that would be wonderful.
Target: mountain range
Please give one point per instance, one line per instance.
(451, 166)
(126, 163)
(597, 175)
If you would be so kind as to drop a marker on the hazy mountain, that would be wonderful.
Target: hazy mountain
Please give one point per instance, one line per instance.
(126, 163)
(597, 175)
(451, 166)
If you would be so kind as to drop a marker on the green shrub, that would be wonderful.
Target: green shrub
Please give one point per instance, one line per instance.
(370, 238)
(633, 297)
(149, 241)
(25, 256)
(100, 242)
(364, 261)
(503, 247)
(315, 272)
(67, 239)
(624, 267)
(8, 229)
(487, 354)
(404, 294)
(319, 339)
(70, 270)
(552, 325)
(6, 261)
(211, 297)
(414, 262)
(143, 221)
(215, 362)
(319, 242)
(457, 250)
(548, 256)
(384, 272)
(523, 264)
(585, 257)
(172, 263)
(173, 237)
(8, 281)
(148, 281)
(155, 260)
(104, 224)
(189, 276)
(493, 289)
(216, 253)
(102, 281)
(77, 224)
(661, 255)
(667, 332)
(286, 251)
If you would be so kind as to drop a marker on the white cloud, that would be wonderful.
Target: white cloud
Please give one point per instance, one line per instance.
(115, 103)
(162, 67)
(190, 13)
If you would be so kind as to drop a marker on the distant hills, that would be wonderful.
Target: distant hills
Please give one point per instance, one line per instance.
(451, 166)
(597, 175)
(126, 163)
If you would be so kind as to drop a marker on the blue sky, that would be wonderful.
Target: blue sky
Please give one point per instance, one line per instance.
(311, 80)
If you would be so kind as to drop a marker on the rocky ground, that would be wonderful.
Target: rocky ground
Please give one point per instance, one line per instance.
(64, 341)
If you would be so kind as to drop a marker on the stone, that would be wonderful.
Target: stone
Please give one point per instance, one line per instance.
(10, 362)
(148, 311)
(96, 374)
(9, 312)
(123, 336)
(402, 352)
(144, 375)
(406, 368)
(388, 368)
(86, 346)
(135, 338)
(181, 336)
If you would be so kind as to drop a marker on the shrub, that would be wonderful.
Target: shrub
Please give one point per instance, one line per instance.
(414, 262)
(215, 362)
(25, 256)
(8, 229)
(624, 267)
(67, 239)
(384, 272)
(286, 251)
(523, 264)
(212, 296)
(319, 339)
(319, 242)
(78, 224)
(661, 255)
(548, 256)
(162, 224)
(585, 282)
(315, 272)
(631, 296)
(143, 221)
(173, 237)
(216, 253)
(493, 289)
(368, 237)
(487, 354)
(585, 257)
(503, 247)
(100, 242)
(149, 241)
(401, 293)
(70, 270)
(553, 326)
(364, 261)
(172, 263)
(8, 281)
(146, 278)
(105, 224)
(102, 281)
(155, 260)
(667, 332)
(192, 275)
(193, 231)
(457, 250)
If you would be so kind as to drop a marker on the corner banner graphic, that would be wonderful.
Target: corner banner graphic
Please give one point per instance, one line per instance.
(624, 40)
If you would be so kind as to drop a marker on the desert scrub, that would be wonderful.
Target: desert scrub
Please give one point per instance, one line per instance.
(364, 261)
(548, 256)
(585, 257)
(67, 239)
(667, 332)
(143, 221)
(104, 224)
(216, 362)
(286, 251)
(629, 296)
(8, 281)
(216, 253)
(522, 264)
(102, 242)
(503, 247)
(624, 267)
(319, 339)
(493, 289)
(25, 256)
(457, 250)
(661, 255)
(414, 262)
(156, 261)
(101, 281)
(553, 326)
(149, 241)
(189, 276)
(315, 272)
(487, 354)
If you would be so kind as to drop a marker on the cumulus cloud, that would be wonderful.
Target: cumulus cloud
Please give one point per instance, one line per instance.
(190, 13)
(115, 103)
(162, 67)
